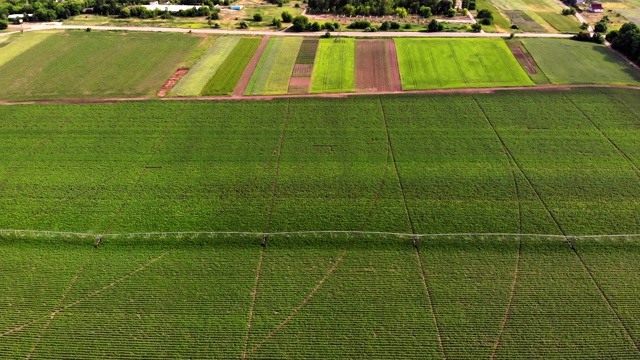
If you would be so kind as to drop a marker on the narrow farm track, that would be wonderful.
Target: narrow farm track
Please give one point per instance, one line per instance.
(514, 284)
(254, 298)
(567, 238)
(416, 246)
(300, 306)
(489, 90)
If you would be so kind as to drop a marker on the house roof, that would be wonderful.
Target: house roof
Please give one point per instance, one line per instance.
(596, 6)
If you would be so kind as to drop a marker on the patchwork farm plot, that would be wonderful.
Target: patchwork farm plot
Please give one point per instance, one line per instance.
(334, 66)
(563, 164)
(443, 63)
(536, 16)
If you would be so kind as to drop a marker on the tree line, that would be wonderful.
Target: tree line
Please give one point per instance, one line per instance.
(380, 7)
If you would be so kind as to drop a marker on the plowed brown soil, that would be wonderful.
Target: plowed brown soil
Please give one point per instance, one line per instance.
(172, 81)
(375, 68)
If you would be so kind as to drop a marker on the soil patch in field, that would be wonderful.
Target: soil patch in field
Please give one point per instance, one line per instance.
(300, 81)
(172, 81)
(525, 60)
(374, 66)
(251, 67)
(394, 67)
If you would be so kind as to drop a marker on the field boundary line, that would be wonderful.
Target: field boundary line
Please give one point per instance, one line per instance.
(423, 273)
(611, 142)
(301, 305)
(36, 233)
(505, 63)
(254, 298)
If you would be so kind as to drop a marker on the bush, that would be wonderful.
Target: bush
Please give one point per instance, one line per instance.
(425, 11)
(584, 26)
(408, 26)
(359, 24)
(472, 5)
(384, 26)
(476, 27)
(451, 12)
(514, 26)
(486, 16)
(277, 23)
(600, 27)
(4, 24)
(300, 23)
(88, 30)
(315, 26)
(569, 11)
(486, 21)
(243, 25)
(585, 36)
(434, 26)
(327, 35)
(394, 25)
(286, 17)
(257, 17)
(215, 15)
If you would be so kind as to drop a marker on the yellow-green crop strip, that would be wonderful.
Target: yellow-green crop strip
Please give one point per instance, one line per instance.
(21, 43)
(276, 65)
(334, 67)
(446, 63)
(194, 81)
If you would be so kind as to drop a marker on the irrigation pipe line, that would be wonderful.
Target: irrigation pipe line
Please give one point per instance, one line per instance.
(301, 232)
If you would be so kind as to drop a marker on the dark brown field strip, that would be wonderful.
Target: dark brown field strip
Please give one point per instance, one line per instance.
(242, 84)
(394, 66)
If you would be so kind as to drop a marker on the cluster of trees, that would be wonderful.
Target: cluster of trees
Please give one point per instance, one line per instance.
(49, 10)
(302, 23)
(42, 10)
(381, 7)
(569, 11)
(627, 41)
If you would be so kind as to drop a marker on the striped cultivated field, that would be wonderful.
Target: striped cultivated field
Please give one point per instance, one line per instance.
(334, 67)
(273, 74)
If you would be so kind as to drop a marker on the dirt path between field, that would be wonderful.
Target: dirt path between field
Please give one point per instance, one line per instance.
(332, 95)
(242, 84)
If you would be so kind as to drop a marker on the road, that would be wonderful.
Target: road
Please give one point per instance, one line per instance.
(59, 26)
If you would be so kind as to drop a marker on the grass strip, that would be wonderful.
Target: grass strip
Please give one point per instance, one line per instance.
(230, 71)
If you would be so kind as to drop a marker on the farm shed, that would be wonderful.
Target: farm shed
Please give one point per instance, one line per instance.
(596, 8)
(236, 7)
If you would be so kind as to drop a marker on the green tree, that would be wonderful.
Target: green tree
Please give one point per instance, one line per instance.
(434, 26)
(300, 23)
(401, 12)
(257, 17)
(425, 11)
(286, 17)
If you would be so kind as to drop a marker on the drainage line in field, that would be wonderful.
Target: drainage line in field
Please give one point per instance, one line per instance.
(423, 273)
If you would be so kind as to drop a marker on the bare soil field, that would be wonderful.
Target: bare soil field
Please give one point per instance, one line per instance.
(372, 66)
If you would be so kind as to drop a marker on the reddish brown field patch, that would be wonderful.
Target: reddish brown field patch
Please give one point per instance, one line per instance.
(300, 81)
(394, 67)
(373, 67)
(525, 60)
(172, 81)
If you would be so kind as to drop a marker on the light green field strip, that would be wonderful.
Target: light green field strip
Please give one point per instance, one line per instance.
(590, 63)
(446, 63)
(334, 69)
(533, 5)
(273, 46)
(275, 67)
(560, 22)
(20, 43)
(195, 80)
